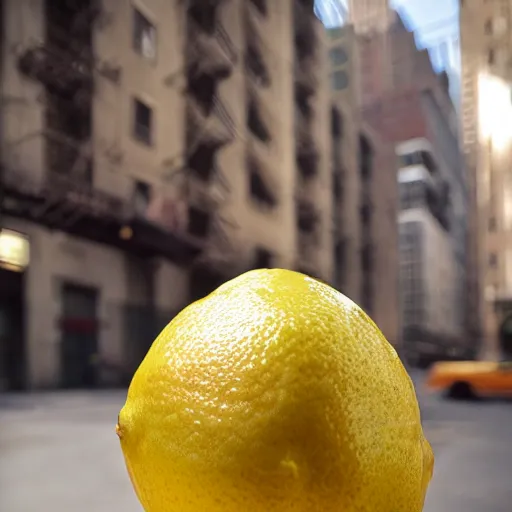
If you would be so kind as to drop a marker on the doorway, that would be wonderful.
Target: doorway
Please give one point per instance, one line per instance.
(12, 342)
(505, 337)
(79, 336)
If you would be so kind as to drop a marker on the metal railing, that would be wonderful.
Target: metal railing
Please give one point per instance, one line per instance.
(226, 43)
(225, 117)
(57, 67)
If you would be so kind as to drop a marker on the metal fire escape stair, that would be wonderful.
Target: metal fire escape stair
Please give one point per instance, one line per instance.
(210, 127)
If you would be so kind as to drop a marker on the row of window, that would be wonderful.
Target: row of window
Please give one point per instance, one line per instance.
(418, 158)
(144, 43)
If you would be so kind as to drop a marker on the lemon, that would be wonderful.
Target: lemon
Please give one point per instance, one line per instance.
(274, 393)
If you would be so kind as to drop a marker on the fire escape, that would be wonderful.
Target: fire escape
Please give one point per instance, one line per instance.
(64, 196)
(210, 59)
(63, 64)
(307, 156)
(258, 80)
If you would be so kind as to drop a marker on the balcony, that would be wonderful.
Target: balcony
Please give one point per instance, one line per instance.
(256, 67)
(307, 216)
(204, 13)
(201, 164)
(306, 156)
(76, 18)
(306, 81)
(67, 157)
(256, 119)
(65, 199)
(254, 58)
(304, 113)
(261, 188)
(208, 195)
(61, 71)
(305, 22)
(261, 146)
(213, 127)
(212, 55)
(221, 254)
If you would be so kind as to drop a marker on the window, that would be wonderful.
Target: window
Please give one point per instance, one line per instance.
(493, 259)
(339, 80)
(263, 258)
(141, 198)
(419, 158)
(338, 56)
(490, 57)
(492, 224)
(336, 122)
(488, 27)
(142, 123)
(258, 188)
(144, 36)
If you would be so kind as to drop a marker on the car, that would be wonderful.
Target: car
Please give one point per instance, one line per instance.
(465, 380)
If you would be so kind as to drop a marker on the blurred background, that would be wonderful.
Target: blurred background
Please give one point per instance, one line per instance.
(151, 150)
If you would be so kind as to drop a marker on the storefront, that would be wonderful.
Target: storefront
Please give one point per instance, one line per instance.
(14, 259)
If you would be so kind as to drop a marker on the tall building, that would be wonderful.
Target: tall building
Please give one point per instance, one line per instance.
(435, 26)
(366, 204)
(486, 116)
(370, 15)
(149, 152)
(414, 112)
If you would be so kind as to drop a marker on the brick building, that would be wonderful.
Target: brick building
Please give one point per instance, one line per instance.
(409, 105)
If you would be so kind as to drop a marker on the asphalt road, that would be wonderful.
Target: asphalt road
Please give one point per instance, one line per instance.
(58, 453)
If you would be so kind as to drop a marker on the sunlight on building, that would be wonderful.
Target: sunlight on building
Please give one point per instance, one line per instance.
(495, 110)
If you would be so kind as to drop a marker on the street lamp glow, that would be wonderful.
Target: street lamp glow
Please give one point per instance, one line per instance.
(495, 110)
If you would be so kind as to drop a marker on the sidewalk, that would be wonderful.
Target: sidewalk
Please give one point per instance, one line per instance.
(472, 474)
(59, 453)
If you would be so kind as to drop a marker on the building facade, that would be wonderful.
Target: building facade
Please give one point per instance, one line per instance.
(486, 116)
(370, 16)
(367, 198)
(150, 151)
(417, 116)
(431, 260)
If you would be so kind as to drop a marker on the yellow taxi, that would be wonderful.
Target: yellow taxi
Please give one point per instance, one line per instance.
(471, 379)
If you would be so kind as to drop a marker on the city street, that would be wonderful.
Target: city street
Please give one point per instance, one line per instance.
(58, 452)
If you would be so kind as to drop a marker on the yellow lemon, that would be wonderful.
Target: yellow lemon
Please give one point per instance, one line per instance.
(274, 393)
